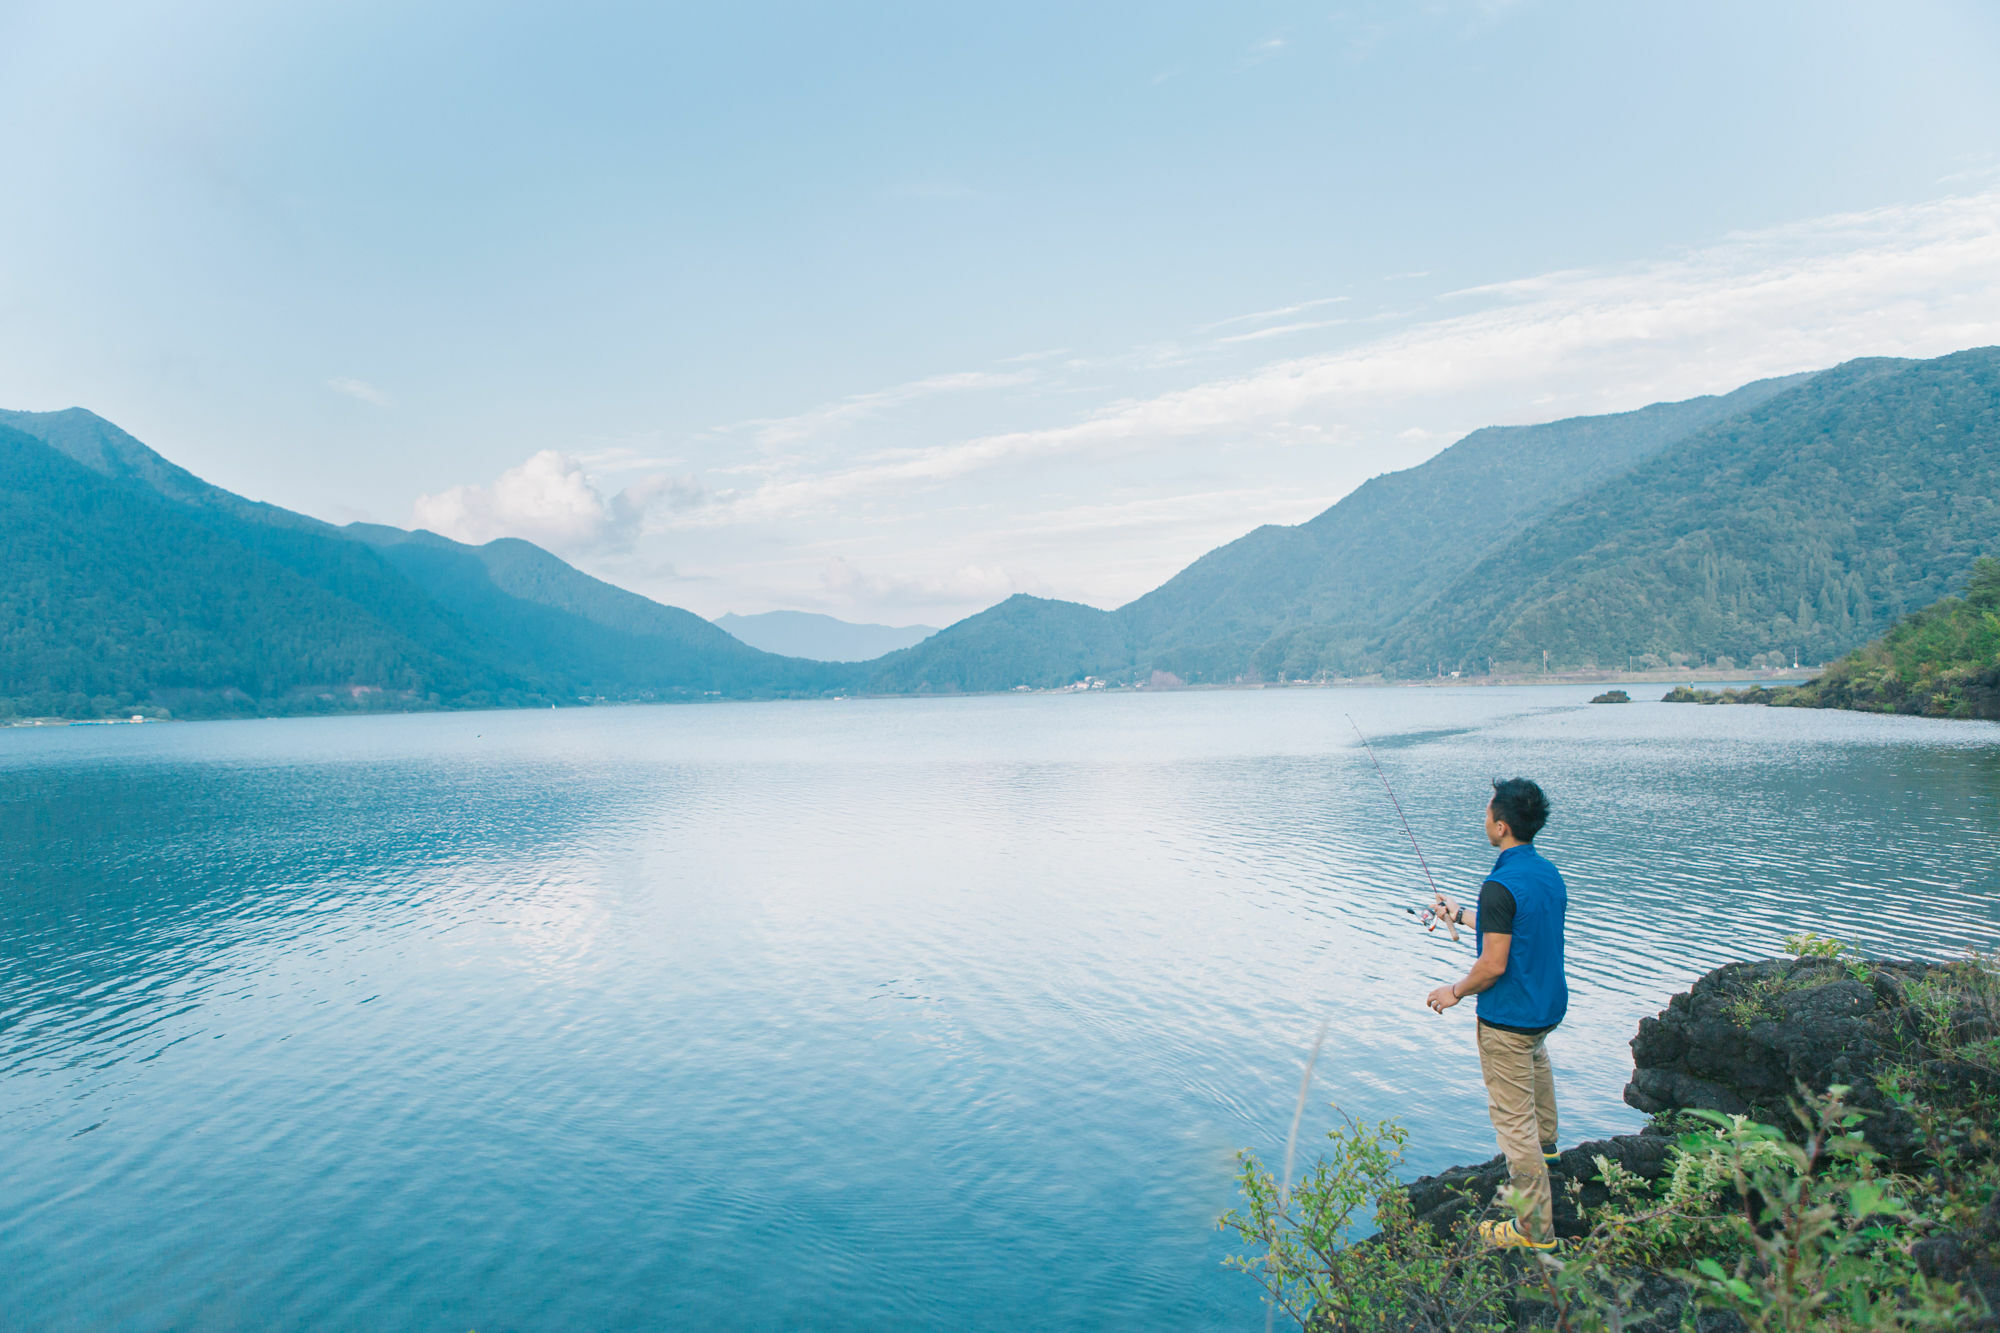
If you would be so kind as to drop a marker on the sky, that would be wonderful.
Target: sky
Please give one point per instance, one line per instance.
(891, 311)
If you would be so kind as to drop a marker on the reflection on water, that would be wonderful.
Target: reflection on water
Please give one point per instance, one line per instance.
(850, 1015)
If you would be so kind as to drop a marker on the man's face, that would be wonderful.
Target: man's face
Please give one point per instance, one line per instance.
(1495, 830)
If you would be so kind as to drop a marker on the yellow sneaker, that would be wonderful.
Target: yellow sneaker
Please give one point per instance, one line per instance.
(1505, 1235)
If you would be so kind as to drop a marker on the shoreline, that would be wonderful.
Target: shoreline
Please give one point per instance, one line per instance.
(1665, 678)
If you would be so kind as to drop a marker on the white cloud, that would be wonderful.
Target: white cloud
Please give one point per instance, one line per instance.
(1256, 335)
(1917, 280)
(1282, 311)
(775, 431)
(550, 500)
(361, 389)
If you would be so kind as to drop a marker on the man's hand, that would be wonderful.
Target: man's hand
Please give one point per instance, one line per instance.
(1444, 909)
(1441, 999)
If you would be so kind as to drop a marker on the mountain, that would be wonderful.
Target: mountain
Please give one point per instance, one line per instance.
(1800, 515)
(590, 637)
(1318, 597)
(1025, 640)
(821, 638)
(1941, 661)
(1803, 515)
(1298, 601)
(133, 584)
(1808, 524)
(118, 598)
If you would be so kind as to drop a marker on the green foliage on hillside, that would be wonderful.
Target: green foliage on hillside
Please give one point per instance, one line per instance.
(592, 638)
(1807, 525)
(117, 599)
(1025, 640)
(136, 586)
(1943, 661)
(1298, 601)
(1318, 598)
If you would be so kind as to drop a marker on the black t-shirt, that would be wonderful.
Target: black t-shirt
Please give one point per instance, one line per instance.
(1496, 909)
(1496, 917)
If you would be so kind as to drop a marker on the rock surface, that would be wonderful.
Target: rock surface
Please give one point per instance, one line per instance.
(1744, 1040)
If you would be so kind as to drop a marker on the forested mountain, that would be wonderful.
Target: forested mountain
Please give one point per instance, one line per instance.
(1025, 640)
(132, 584)
(1319, 597)
(1799, 516)
(117, 598)
(1807, 524)
(1941, 661)
(593, 638)
(1794, 516)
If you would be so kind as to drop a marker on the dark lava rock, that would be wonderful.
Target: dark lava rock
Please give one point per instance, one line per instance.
(1747, 1037)
(1745, 1040)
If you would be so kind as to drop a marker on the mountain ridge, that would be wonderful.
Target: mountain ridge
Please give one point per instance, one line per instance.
(1799, 514)
(393, 618)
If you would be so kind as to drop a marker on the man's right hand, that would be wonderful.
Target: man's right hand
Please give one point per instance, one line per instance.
(1444, 909)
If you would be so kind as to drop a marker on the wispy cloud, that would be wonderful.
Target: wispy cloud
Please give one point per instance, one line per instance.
(361, 389)
(1276, 330)
(777, 431)
(1915, 280)
(1257, 316)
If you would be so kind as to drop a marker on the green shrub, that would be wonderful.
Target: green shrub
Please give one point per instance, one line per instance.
(1788, 1233)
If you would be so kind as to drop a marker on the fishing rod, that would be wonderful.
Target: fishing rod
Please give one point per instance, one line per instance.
(1449, 924)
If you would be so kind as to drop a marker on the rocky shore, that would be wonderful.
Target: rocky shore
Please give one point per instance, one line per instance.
(1745, 1040)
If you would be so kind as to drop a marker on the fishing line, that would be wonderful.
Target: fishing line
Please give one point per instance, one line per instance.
(1449, 924)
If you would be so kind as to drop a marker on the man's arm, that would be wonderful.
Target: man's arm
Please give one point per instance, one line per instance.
(1496, 918)
(1485, 971)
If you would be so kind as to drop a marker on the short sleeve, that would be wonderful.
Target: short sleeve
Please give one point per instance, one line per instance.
(1496, 909)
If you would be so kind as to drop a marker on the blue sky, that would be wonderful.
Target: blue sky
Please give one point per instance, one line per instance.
(892, 310)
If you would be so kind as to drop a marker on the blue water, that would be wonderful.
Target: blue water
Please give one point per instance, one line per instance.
(845, 1015)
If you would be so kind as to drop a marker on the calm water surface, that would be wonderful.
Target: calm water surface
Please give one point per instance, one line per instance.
(860, 1015)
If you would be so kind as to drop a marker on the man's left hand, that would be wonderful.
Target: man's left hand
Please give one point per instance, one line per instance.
(1441, 999)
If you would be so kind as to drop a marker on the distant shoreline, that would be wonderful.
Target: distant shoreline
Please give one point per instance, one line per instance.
(1667, 677)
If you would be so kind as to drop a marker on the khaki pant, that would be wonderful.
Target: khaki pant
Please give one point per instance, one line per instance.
(1521, 1098)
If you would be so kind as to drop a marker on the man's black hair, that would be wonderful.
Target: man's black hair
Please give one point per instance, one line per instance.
(1520, 805)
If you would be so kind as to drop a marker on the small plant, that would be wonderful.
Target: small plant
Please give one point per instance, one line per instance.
(1822, 1234)
(1404, 1277)
(1958, 1006)
(1786, 1233)
(1805, 944)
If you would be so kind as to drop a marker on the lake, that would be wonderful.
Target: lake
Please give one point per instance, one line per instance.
(846, 1015)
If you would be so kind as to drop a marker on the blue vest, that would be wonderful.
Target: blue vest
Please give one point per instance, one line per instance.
(1532, 992)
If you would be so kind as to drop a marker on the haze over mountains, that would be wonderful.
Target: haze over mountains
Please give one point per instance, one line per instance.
(1794, 516)
(822, 638)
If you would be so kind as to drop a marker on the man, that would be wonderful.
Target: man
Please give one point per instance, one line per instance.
(1518, 978)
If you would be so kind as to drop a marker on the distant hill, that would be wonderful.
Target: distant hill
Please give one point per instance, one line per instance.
(1298, 601)
(133, 584)
(1801, 516)
(1320, 597)
(821, 638)
(1806, 525)
(1798, 516)
(1025, 640)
